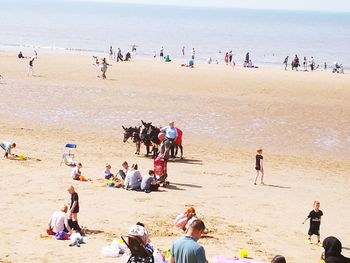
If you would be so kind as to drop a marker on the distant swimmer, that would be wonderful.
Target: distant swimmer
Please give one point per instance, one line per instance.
(183, 51)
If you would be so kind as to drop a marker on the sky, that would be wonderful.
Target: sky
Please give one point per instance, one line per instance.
(309, 5)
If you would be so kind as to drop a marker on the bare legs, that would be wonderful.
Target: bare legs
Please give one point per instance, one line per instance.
(259, 172)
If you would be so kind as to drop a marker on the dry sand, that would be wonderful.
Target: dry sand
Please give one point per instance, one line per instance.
(301, 119)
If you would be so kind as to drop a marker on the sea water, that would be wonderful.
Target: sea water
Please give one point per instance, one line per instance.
(269, 36)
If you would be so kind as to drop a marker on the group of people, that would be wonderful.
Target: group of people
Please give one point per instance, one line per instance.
(66, 218)
(295, 64)
(118, 56)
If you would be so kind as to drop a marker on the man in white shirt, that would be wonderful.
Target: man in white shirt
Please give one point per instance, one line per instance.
(59, 221)
(133, 178)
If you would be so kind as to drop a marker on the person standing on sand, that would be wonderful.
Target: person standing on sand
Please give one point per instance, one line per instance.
(73, 210)
(315, 222)
(305, 64)
(104, 67)
(285, 62)
(110, 52)
(226, 58)
(30, 66)
(230, 56)
(247, 58)
(186, 249)
(259, 166)
(161, 53)
(171, 134)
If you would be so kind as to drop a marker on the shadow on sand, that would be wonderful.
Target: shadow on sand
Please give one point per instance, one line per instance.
(189, 161)
(187, 185)
(277, 186)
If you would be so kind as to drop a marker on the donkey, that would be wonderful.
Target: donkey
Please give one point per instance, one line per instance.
(134, 133)
(149, 136)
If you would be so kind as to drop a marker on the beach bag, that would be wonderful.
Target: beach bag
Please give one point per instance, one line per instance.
(62, 235)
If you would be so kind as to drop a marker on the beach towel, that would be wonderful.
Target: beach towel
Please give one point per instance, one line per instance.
(221, 259)
(62, 235)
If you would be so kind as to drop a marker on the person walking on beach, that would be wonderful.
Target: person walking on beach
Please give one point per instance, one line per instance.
(259, 166)
(161, 53)
(226, 58)
(119, 55)
(193, 52)
(7, 147)
(73, 209)
(315, 222)
(312, 64)
(183, 51)
(305, 64)
(285, 62)
(104, 67)
(186, 249)
(30, 66)
(230, 56)
(110, 52)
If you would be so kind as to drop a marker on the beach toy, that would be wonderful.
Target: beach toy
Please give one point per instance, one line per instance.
(120, 241)
(243, 253)
(22, 156)
(167, 253)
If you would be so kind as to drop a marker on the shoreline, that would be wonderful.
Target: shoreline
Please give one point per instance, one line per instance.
(9, 48)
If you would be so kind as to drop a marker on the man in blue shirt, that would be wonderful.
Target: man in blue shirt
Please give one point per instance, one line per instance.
(186, 249)
(170, 134)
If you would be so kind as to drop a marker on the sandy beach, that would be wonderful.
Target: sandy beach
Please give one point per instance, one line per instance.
(301, 119)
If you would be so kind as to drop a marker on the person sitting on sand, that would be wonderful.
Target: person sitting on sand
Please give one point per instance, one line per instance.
(139, 230)
(73, 210)
(148, 182)
(332, 251)
(76, 173)
(59, 222)
(7, 147)
(278, 259)
(107, 172)
(127, 56)
(182, 219)
(20, 55)
(186, 249)
(124, 171)
(133, 178)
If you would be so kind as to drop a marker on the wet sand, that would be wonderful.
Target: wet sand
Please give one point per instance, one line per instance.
(301, 119)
